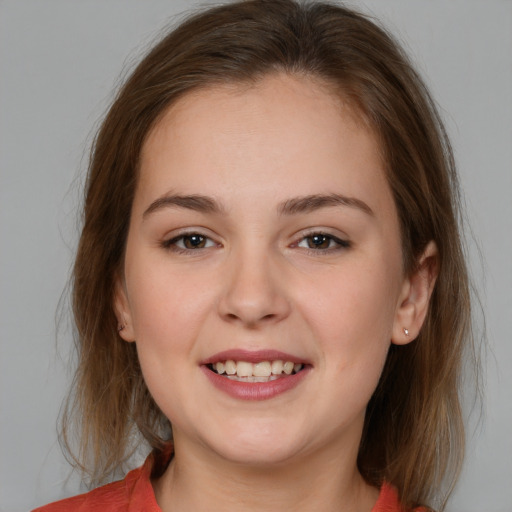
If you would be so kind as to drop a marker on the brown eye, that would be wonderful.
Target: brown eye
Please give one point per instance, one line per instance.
(323, 243)
(319, 241)
(189, 242)
(194, 241)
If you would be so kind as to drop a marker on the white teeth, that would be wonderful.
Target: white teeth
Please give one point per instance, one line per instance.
(230, 367)
(277, 367)
(288, 367)
(252, 379)
(257, 372)
(244, 369)
(262, 379)
(262, 369)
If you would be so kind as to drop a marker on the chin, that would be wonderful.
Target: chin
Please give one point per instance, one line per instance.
(258, 456)
(259, 444)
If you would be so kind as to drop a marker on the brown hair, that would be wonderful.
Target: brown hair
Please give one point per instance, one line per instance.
(413, 435)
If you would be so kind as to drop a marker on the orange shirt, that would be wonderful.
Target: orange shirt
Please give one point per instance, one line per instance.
(135, 494)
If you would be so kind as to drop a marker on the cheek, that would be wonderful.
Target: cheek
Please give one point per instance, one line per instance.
(168, 314)
(168, 307)
(353, 321)
(356, 305)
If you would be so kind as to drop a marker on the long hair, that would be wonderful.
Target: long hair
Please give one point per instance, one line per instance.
(413, 434)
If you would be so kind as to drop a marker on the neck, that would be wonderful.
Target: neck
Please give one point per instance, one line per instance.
(324, 481)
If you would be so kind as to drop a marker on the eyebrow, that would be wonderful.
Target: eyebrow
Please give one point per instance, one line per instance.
(294, 206)
(306, 204)
(198, 203)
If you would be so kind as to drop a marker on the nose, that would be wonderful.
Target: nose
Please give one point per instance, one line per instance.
(254, 292)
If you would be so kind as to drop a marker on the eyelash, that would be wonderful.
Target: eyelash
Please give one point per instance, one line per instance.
(339, 244)
(172, 244)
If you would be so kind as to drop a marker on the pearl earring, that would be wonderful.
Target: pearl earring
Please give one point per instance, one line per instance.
(406, 331)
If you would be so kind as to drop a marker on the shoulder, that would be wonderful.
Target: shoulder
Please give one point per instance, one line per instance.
(389, 501)
(133, 493)
(110, 497)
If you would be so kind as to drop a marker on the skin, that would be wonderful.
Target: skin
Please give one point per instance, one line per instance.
(256, 284)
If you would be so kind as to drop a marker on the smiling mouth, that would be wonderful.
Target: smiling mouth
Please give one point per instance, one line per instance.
(263, 371)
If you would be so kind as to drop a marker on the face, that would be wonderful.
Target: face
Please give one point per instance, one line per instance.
(263, 279)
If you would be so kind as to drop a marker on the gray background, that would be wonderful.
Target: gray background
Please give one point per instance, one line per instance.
(59, 61)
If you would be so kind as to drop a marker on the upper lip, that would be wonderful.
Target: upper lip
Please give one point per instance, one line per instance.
(253, 356)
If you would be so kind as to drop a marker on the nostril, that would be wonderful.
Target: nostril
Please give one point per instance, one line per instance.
(251, 321)
(253, 302)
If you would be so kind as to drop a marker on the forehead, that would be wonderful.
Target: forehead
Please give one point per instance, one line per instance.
(282, 130)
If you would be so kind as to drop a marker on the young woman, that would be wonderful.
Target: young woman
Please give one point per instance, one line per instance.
(269, 288)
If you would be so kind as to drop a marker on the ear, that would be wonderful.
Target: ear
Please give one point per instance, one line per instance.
(415, 297)
(123, 312)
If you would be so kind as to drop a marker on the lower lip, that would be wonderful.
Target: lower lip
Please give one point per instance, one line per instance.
(255, 390)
